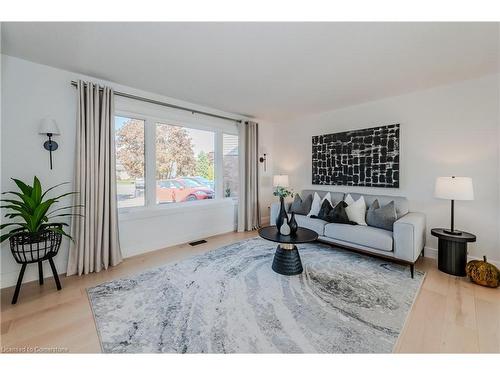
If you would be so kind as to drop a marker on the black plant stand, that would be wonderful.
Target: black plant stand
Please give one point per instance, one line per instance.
(35, 248)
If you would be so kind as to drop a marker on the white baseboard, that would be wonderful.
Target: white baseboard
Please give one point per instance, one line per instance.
(430, 252)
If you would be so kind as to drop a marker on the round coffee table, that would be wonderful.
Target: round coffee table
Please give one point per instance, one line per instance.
(287, 258)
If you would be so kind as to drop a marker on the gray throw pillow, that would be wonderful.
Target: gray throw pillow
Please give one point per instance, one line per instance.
(381, 217)
(301, 207)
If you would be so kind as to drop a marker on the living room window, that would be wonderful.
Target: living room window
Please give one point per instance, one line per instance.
(166, 162)
(231, 165)
(185, 164)
(130, 165)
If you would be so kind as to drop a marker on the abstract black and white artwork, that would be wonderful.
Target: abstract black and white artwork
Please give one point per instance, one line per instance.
(366, 157)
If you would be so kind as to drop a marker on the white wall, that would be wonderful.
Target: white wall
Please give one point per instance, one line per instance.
(31, 91)
(450, 130)
(266, 145)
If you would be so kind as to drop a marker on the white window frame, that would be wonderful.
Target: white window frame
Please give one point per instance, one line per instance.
(151, 208)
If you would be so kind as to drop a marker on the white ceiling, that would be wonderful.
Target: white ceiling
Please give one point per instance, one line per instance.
(273, 71)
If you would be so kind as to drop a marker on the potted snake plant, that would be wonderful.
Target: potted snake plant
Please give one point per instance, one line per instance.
(36, 228)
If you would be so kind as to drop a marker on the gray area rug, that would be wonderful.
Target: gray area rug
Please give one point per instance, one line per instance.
(230, 301)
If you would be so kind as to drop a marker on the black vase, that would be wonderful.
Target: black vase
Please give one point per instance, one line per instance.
(281, 215)
(293, 224)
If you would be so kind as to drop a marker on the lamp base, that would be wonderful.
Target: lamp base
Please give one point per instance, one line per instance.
(452, 232)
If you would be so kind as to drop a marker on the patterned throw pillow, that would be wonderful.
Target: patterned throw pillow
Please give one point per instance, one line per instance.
(301, 207)
(382, 217)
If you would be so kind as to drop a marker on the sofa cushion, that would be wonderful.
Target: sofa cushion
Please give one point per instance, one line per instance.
(324, 211)
(316, 225)
(301, 207)
(362, 235)
(381, 217)
(356, 210)
(401, 203)
(315, 205)
(336, 196)
(317, 202)
(335, 214)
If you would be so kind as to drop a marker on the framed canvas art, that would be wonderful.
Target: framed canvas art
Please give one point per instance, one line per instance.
(365, 157)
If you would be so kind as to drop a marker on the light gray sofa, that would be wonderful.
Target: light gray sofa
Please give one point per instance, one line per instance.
(404, 244)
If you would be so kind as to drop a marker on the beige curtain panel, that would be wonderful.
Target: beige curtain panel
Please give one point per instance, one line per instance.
(249, 205)
(96, 245)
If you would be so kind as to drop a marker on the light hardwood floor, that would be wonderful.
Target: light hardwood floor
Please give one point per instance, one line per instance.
(449, 315)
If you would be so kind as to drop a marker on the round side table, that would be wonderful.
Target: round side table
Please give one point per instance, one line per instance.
(452, 251)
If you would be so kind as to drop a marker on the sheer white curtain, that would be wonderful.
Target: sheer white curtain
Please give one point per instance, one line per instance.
(96, 242)
(249, 207)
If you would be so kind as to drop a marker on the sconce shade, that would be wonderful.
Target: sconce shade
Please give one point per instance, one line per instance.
(280, 180)
(455, 188)
(48, 126)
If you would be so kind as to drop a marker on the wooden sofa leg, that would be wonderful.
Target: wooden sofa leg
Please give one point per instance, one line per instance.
(412, 270)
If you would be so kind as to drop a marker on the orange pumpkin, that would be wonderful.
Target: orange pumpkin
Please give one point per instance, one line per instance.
(483, 273)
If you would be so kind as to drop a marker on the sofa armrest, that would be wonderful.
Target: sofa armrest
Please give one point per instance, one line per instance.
(275, 209)
(409, 236)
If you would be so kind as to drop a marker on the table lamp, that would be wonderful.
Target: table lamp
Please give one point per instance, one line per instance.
(454, 188)
(280, 180)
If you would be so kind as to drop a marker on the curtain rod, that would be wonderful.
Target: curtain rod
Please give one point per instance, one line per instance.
(157, 102)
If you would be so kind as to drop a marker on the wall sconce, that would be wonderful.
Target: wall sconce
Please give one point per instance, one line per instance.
(263, 159)
(49, 127)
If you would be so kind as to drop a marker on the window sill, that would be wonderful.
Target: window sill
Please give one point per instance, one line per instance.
(137, 213)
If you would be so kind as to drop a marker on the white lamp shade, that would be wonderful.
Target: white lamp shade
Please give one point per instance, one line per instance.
(48, 126)
(456, 188)
(280, 180)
